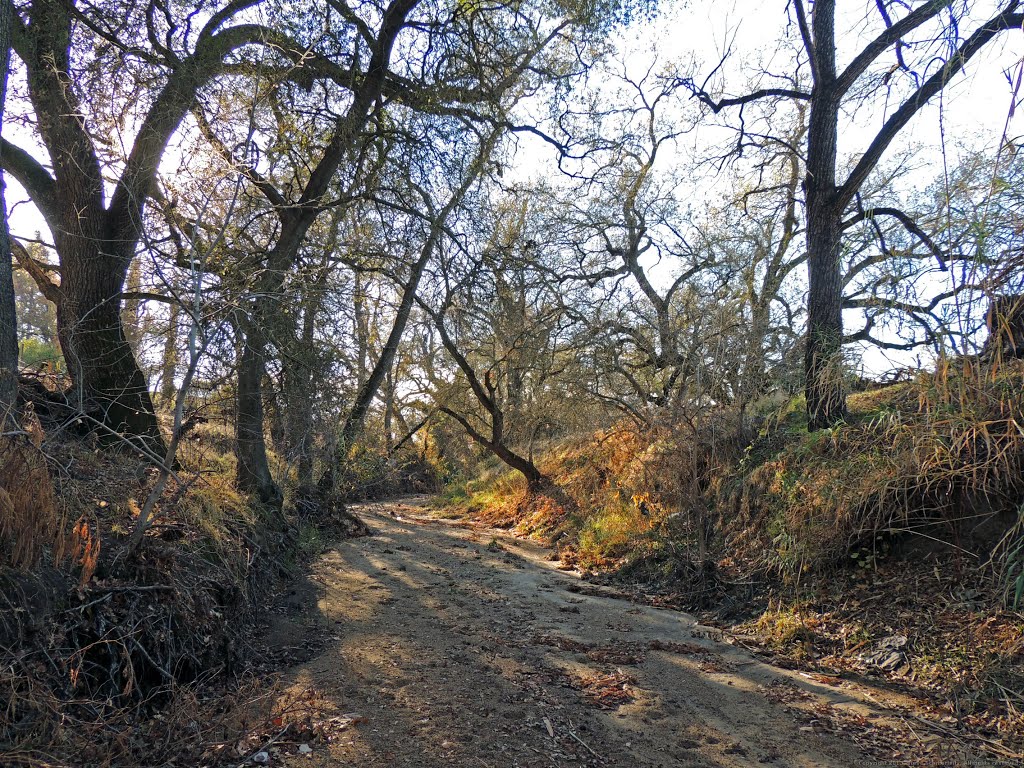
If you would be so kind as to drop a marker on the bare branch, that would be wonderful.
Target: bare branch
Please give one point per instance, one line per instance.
(1004, 21)
(908, 223)
(891, 36)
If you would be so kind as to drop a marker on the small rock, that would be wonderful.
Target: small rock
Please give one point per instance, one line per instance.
(305, 749)
(261, 757)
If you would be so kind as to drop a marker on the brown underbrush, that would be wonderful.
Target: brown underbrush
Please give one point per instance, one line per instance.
(376, 474)
(112, 656)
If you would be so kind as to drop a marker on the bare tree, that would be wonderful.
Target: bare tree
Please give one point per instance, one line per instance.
(827, 195)
(498, 318)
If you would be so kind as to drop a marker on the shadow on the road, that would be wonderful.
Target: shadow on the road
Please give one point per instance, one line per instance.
(459, 653)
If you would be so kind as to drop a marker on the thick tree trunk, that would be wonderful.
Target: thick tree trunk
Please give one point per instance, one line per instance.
(107, 377)
(253, 470)
(94, 249)
(8, 315)
(826, 400)
(535, 479)
(296, 219)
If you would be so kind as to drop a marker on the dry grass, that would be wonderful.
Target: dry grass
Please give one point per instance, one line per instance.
(202, 727)
(622, 493)
(937, 459)
(122, 657)
(30, 523)
(907, 519)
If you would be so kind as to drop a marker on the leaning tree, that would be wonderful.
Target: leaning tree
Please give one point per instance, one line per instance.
(100, 77)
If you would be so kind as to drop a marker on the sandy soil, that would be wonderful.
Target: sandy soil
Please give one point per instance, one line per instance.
(462, 646)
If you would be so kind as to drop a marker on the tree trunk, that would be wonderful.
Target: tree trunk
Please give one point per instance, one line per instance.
(8, 314)
(1005, 323)
(94, 249)
(108, 380)
(826, 400)
(253, 470)
(754, 376)
(296, 219)
(535, 479)
(298, 379)
(389, 410)
(823, 362)
(96, 243)
(362, 332)
(369, 385)
(131, 309)
(169, 369)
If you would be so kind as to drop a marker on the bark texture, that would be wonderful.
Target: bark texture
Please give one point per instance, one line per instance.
(826, 401)
(8, 314)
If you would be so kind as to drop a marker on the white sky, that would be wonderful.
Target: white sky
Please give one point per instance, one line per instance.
(691, 35)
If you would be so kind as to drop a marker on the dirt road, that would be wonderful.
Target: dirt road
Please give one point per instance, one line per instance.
(462, 646)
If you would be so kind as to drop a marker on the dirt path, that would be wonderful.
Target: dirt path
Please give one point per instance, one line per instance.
(463, 646)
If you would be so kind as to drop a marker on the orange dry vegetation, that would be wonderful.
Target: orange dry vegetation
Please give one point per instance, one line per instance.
(29, 520)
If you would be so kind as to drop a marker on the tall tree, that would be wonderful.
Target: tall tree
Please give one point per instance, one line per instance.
(8, 316)
(498, 317)
(830, 191)
(437, 220)
(295, 216)
(468, 62)
(96, 237)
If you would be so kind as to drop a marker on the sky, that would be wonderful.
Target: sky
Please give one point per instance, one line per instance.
(689, 37)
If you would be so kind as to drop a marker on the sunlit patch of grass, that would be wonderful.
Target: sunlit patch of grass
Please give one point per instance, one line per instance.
(451, 501)
(787, 627)
(912, 456)
(610, 534)
(214, 506)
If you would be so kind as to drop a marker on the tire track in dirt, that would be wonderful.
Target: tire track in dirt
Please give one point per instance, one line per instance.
(463, 646)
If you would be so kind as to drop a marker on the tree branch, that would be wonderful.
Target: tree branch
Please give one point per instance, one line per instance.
(891, 36)
(908, 223)
(163, 119)
(805, 35)
(255, 178)
(764, 93)
(51, 291)
(36, 180)
(1000, 23)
